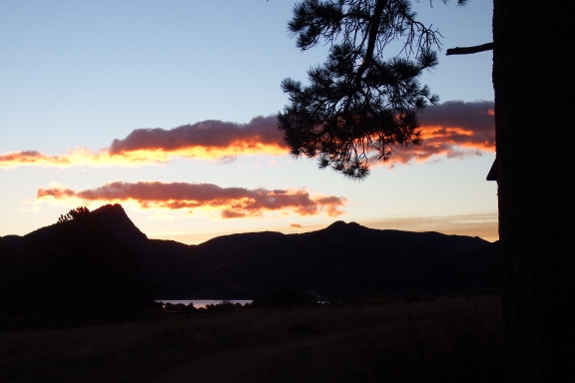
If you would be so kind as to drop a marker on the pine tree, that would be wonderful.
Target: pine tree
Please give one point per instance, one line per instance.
(359, 104)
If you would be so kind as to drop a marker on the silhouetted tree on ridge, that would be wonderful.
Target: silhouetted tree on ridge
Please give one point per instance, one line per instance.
(77, 213)
(357, 103)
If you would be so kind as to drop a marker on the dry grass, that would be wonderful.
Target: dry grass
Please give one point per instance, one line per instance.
(446, 340)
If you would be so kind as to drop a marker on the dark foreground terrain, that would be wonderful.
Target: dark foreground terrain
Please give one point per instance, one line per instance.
(371, 340)
(77, 305)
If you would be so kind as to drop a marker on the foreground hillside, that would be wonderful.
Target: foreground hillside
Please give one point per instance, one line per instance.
(445, 340)
(342, 259)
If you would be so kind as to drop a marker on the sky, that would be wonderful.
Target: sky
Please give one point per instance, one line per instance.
(168, 108)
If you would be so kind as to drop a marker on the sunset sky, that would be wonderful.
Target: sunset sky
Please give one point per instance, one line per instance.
(168, 108)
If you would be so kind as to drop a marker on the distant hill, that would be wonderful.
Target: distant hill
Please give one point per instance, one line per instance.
(344, 258)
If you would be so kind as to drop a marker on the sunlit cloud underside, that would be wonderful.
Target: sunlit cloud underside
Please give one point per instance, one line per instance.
(452, 129)
(215, 201)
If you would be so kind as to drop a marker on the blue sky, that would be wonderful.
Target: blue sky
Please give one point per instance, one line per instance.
(79, 74)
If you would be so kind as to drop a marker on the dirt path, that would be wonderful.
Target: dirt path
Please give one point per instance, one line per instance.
(252, 363)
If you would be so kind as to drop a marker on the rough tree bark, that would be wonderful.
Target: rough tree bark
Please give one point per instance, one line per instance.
(533, 81)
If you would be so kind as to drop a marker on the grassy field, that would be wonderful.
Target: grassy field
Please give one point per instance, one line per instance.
(443, 340)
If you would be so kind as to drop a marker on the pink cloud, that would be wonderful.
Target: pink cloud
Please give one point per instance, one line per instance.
(231, 202)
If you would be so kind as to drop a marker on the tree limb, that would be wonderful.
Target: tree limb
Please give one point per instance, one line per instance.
(469, 50)
(373, 30)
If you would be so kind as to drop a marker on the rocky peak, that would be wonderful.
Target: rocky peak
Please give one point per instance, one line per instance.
(114, 217)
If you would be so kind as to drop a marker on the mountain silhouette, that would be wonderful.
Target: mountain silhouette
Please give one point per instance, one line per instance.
(344, 258)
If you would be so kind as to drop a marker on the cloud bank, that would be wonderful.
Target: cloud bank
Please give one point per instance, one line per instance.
(212, 140)
(231, 202)
(452, 129)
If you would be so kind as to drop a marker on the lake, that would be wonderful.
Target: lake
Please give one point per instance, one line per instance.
(203, 302)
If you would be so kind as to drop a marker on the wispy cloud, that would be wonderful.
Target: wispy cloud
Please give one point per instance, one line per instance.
(452, 129)
(32, 157)
(231, 202)
(74, 157)
(483, 225)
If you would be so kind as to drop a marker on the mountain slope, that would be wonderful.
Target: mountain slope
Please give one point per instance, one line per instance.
(344, 258)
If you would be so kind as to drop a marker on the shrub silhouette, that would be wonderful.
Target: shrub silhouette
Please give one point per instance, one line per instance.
(284, 297)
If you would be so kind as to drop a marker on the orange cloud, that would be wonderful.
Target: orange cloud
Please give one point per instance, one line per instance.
(208, 138)
(452, 129)
(214, 140)
(75, 157)
(230, 202)
(32, 157)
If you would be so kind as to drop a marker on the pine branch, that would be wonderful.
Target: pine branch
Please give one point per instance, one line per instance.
(469, 50)
(373, 31)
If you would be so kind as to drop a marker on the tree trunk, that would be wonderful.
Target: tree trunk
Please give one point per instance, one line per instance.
(533, 70)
